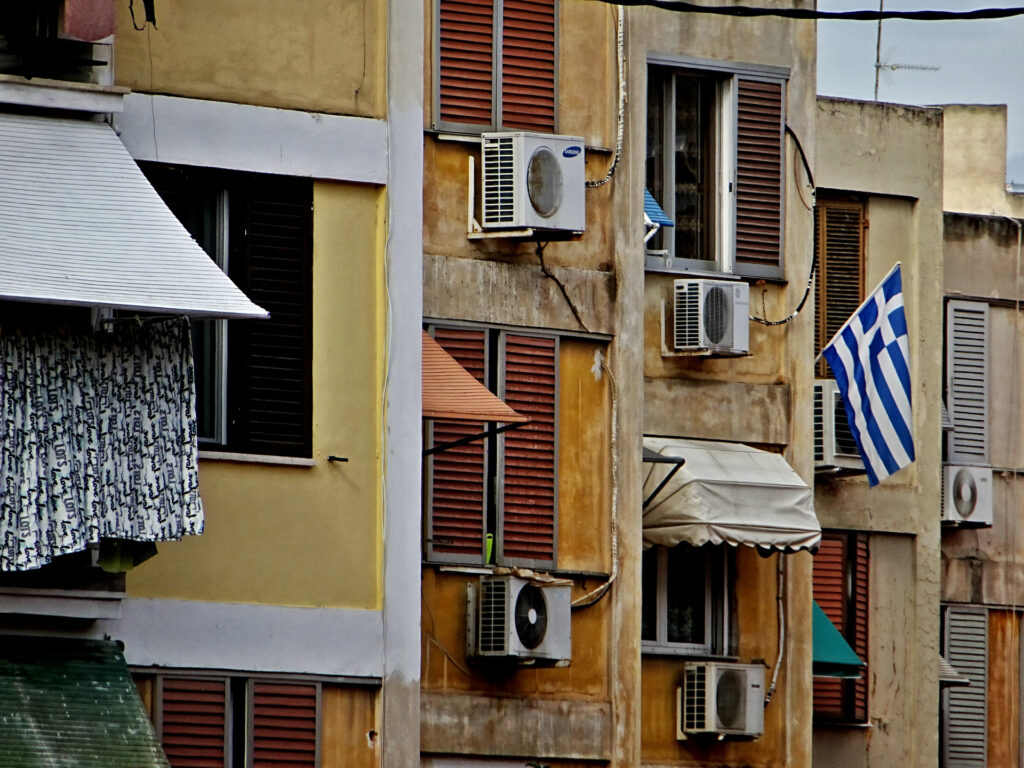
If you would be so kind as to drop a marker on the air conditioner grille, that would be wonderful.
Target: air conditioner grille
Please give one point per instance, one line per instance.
(499, 180)
(819, 426)
(717, 314)
(730, 704)
(845, 443)
(493, 632)
(695, 695)
(687, 316)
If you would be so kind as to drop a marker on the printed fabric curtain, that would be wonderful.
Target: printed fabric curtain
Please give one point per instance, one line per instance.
(99, 439)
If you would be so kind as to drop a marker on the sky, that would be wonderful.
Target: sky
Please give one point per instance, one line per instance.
(979, 62)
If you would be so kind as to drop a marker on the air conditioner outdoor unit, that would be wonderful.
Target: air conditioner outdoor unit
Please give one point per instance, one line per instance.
(966, 495)
(512, 618)
(834, 446)
(533, 180)
(711, 316)
(720, 700)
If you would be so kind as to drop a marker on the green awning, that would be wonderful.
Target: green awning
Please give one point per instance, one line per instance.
(833, 656)
(71, 704)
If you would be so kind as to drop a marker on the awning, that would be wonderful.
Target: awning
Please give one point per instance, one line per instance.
(949, 677)
(653, 211)
(832, 655)
(81, 225)
(451, 393)
(71, 702)
(727, 493)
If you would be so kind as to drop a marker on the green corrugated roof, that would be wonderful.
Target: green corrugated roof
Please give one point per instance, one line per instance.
(71, 704)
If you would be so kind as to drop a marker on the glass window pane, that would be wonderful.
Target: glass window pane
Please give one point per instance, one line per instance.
(649, 595)
(655, 179)
(692, 163)
(687, 595)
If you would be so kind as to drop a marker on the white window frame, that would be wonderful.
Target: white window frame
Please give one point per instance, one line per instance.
(221, 223)
(724, 75)
(716, 617)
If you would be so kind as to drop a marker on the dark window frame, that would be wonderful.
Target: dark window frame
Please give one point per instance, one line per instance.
(833, 229)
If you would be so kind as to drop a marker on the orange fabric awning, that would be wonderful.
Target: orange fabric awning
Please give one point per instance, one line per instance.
(451, 393)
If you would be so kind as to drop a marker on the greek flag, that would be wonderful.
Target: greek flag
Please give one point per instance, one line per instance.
(870, 359)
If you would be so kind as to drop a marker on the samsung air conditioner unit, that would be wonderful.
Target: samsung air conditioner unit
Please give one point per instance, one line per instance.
(835, 449)
(510, 618)
(720, 700)
(966, 495)
(533, 181)
(711, 316)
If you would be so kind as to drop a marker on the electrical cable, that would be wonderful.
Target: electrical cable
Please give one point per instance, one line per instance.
(621, 119)
(745, 11)
(814, 254)
(782, 629)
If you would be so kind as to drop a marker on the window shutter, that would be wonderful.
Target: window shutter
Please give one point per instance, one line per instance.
(839, 284)
(527, 509)
(829, 584)
(759, 158)
(194, 721)
(457, 500)
(857, 629)
(528, 64)
(466, 61)
(967, 380)
(965, 725)
(270, 386)
(284, 724)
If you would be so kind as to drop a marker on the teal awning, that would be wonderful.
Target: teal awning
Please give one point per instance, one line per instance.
(69, 703)
(833, 656)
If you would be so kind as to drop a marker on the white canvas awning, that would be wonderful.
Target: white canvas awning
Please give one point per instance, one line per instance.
(725, 493)
(80, 224)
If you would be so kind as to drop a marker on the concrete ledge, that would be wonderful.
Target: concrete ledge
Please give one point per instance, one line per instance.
(529, 728)
(511, 294)
(716, 410)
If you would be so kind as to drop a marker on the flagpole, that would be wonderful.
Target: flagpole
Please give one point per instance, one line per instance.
(867, 296)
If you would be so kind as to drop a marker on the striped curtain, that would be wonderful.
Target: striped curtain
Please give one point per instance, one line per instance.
(98, 441)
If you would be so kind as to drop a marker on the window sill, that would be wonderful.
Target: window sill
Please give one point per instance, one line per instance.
(842, 726)
(687, 653)
(257, 458)
(65, 603)
(487, 570)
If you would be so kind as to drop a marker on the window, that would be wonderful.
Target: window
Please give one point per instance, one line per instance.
(495, 65)
(967, 374)
(714, 165)
(964, 709)
(253, 377)
(504, 487)
(685, 600)
(237, 722)
(841, 590)
(839, 281)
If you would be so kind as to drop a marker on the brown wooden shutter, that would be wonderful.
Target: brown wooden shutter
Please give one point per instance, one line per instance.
(284, 724)
(839, 283)
(528, 65)
(830, 594)
(840, 577)
(466, 61)
(759, 159)
(457, 500)
(194, 721)
(270, 369)
(527, 511)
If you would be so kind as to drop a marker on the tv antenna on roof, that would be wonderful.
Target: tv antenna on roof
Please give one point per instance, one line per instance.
(891, 66)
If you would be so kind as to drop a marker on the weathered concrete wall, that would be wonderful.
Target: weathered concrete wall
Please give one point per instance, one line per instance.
(892, 156)
(975, 161)
(313, 55)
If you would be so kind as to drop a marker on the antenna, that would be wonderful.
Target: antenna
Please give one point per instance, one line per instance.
(892, 66)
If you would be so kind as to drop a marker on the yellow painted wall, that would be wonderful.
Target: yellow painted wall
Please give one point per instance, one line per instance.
(293, 535)
(584, 491)
(315, 55)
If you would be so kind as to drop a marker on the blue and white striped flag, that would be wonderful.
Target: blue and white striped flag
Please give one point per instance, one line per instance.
(870, 359)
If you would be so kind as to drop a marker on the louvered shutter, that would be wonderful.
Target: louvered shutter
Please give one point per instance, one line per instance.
(457, 477)
(967, 381)
(829, 575)
(193, 721)
(965, 725)
(857, 624)
(527, 457)
(528, 64)
(466, 61)
(759, 159)
(270, 369)
(839, 284)
(284, 724)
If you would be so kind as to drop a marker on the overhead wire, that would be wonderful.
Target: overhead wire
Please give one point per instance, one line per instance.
(748, 11)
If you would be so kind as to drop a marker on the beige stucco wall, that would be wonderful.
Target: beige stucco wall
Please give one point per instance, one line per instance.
(314, 55)
(295, 535)
(892, 156)
(975, 161)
